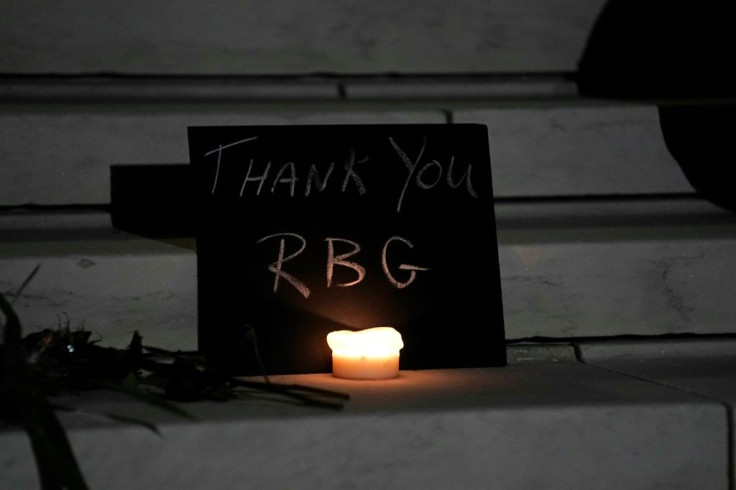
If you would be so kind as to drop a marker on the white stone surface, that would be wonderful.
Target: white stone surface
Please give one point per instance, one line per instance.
(603, 289)
(534, 425)
(111, 295)
(616, 268)
(704, 367)
(584, 150)
(271, 37)
(106, 281)
(62, 155)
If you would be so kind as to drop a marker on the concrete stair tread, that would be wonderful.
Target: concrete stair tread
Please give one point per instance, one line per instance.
(537, 424)
(703, 366)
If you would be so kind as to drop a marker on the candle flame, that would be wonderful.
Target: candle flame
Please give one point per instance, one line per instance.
(377, 341)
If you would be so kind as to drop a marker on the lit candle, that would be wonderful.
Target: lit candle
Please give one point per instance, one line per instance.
(372, 353)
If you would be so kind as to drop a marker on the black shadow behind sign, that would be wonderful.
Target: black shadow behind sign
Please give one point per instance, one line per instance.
(302, 230)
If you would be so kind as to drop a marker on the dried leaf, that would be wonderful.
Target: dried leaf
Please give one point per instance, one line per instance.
(56, 463)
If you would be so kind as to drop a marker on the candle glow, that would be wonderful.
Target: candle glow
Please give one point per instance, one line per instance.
(372, 353)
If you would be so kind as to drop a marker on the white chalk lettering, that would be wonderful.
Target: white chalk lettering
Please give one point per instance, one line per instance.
(218, 150)
(260, 179)
(313, 176)
(424, 180)
(410, 166)
(291, 174)
(350, 173)
(337, 260)
(404, 267)
(277, 266)
(465, 177)
(333, 260)
(420, 181)
(290, 179)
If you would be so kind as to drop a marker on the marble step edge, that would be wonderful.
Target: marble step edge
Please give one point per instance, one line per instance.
(273, 88)
(664, 348)
(600, 218)
(510, 212)
(540, 352)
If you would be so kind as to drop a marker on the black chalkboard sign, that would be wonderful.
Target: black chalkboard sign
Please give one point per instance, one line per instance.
(302, 230)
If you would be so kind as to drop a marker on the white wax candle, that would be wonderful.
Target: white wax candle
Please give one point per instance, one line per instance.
(372, 353)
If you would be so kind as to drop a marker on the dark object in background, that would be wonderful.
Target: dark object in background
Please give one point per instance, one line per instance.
(680, 53)
(662, 49)
(703, 141)
(152, 200)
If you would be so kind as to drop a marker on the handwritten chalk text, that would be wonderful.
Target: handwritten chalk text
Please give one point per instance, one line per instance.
(429, 174)
(291, 179)
(336, 260)
(286, 177)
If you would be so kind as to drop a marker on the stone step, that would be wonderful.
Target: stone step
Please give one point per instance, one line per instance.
(577, 150)
(701, 366)
(92, 275)
(321, 37)
(326, 89)
(639, 267)
(569, 269)
(61, 153)
(530, 425)
(58, 155)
